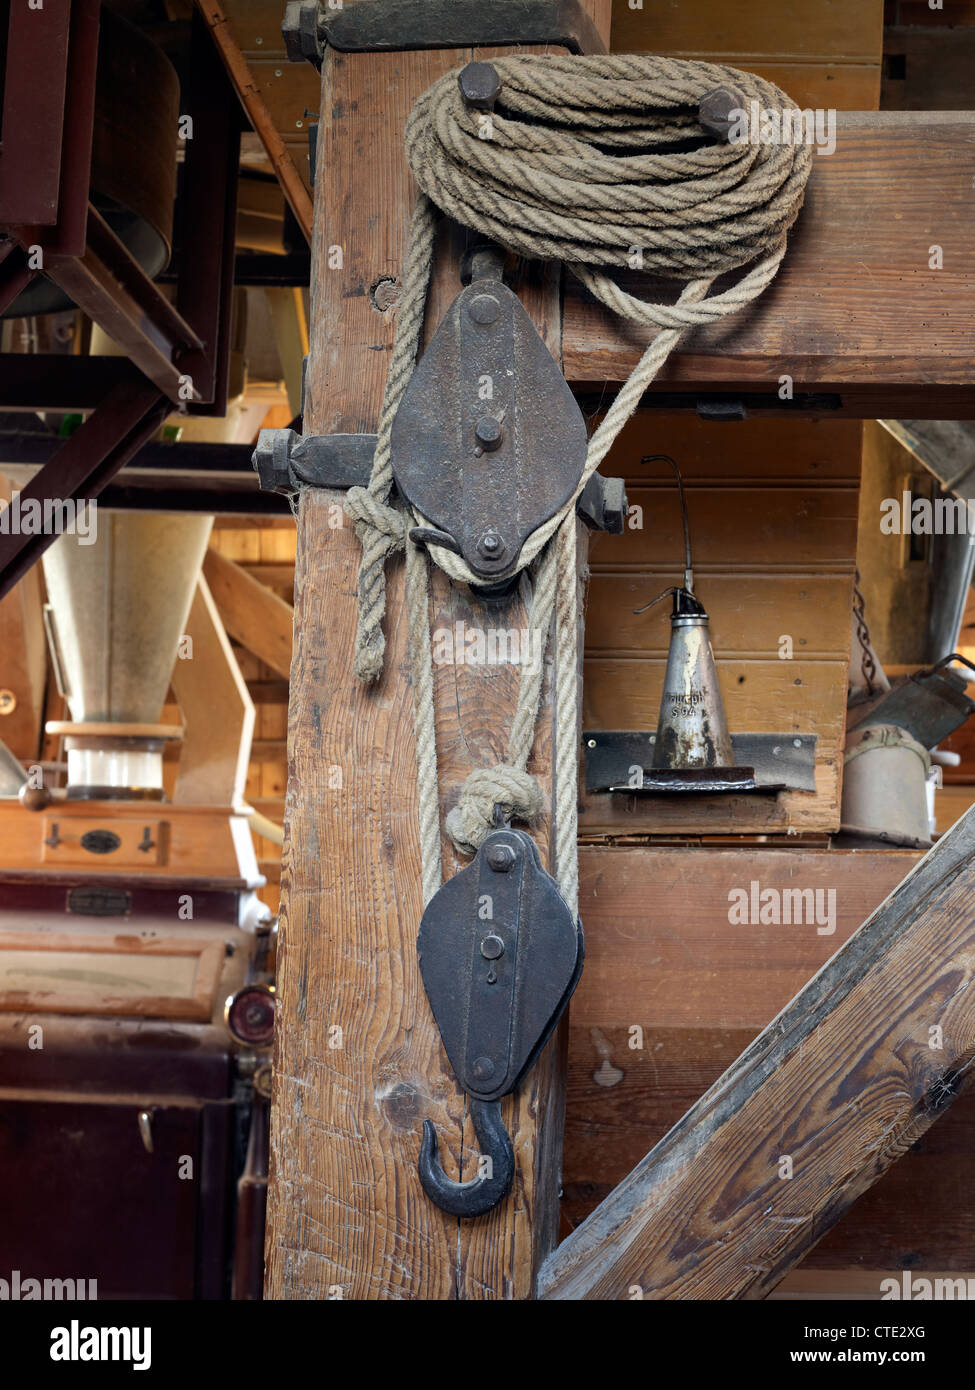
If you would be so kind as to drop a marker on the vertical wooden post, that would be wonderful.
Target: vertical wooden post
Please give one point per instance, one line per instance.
(358, 1061)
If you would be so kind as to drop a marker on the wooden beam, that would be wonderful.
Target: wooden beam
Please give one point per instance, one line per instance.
(254, 103)
(251, 613)
(833, 1091)
(857, 309)
(346, 1214)
(217, 710)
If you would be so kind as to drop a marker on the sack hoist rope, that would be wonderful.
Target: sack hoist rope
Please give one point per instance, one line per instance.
(587, 160)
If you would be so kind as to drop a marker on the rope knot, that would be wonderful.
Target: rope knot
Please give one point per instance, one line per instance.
(471, 820)
(365, 508)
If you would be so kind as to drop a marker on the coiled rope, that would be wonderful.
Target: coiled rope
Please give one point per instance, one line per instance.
(599, 162)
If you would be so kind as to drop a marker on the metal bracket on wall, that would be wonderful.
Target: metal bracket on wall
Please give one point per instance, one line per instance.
(620, 761)
(286, 462)
(402, 25)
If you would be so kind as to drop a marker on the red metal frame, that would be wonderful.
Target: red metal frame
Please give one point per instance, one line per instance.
(45, 165)
(83, 466)
(181, 353)
(33, 112)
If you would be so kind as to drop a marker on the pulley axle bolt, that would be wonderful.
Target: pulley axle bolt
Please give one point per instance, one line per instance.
(483, 1068)
(716, 108)
(492, 947)
(501, 858)
(490, 546)
(480, 86)
(484, 308)
(488, 433)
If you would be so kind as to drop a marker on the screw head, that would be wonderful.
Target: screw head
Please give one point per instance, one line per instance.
(490, 546)
(501, 858)
(480, 86)
(8, 702)
(484, 308)
(489, 433)
(492, 947)
(483, 1068)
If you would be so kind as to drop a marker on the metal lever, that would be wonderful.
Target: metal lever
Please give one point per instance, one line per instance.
(500, 954)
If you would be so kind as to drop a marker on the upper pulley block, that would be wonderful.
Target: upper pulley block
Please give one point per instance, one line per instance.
(488, 442)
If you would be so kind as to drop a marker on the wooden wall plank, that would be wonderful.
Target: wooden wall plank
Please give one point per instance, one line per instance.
(816, 32)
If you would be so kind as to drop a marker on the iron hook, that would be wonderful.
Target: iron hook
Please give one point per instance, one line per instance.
(478, 1196)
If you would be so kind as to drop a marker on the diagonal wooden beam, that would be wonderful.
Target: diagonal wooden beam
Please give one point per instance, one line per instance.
(837, 1087)
(217, 709)
(253, 615)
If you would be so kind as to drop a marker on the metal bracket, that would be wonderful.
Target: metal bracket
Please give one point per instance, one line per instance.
(404, 25)
(620, 761)
(287, 461)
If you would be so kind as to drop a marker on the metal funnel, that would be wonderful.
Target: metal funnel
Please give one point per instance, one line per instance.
(692, 732)
(691, 729)
(119, 607)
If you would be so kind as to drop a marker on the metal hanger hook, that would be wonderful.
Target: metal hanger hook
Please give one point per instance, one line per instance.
(478, 1196)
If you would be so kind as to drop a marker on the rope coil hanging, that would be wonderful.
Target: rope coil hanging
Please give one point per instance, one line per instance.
(599, 162)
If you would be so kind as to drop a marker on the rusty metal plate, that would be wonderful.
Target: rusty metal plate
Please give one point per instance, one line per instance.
(488, 442)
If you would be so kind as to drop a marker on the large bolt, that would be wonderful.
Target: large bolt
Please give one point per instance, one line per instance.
(272, 459)
(488, 433)
(501, 858)
(492, 947)
(480, 86)
(484, 308)
(715, 110)
(483, 1068)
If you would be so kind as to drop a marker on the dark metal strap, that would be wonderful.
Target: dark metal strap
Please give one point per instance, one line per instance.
(403, 25)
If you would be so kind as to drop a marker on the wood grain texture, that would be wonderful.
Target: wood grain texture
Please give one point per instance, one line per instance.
(842, 1083)
(347, 1216)
(855, 300)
